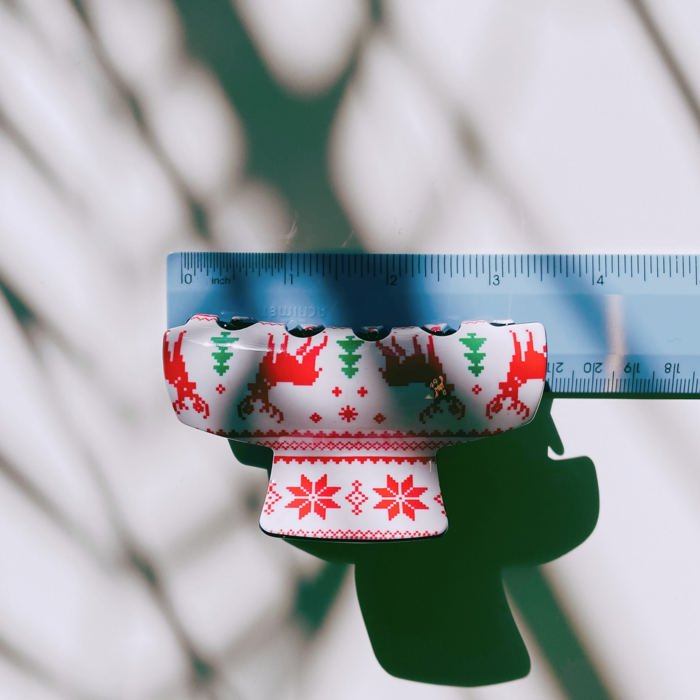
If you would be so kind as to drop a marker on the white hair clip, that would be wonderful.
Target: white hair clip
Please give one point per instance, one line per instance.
(354, 419)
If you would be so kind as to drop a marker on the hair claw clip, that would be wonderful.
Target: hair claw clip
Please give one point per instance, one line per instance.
(354, 422)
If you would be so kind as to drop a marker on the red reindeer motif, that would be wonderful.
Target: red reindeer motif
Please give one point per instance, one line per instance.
(402, 369)
(298, 368)
(523, 366)
(176, 373)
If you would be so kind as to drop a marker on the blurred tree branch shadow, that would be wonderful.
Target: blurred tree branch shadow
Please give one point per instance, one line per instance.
(286, 134)
(435, 610)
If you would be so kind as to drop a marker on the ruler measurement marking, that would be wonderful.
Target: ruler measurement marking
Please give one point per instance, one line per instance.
(193, 272)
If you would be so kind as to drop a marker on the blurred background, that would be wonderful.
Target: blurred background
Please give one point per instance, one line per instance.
(132, 564)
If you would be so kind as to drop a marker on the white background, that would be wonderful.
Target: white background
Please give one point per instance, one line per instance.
(465, 127)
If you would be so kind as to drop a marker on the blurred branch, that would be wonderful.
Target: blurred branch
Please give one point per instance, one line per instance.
(478, 152)
(536, 602)
(287, 136)
(668, 58)
(198, 217)
(39, 499)
(33, 156)
(30, 667)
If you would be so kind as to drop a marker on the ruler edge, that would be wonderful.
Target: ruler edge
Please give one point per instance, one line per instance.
(177, 256)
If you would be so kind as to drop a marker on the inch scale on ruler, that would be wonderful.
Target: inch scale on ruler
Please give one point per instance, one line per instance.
(617, 325)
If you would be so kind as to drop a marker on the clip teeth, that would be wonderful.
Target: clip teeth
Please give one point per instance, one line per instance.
(439, 328)
(303, 330)
(236, 323)
(372, 332)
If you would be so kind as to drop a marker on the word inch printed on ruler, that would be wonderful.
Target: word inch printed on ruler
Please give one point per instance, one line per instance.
(616, 324)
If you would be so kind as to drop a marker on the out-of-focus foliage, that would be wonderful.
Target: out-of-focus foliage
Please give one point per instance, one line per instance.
(132, 562)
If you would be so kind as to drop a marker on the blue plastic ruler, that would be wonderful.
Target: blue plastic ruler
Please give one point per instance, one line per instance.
(616, 324)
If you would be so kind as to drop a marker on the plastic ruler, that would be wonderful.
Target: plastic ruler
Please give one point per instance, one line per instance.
(617, 325)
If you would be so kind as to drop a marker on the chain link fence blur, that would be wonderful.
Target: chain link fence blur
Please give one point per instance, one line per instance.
(132, 564)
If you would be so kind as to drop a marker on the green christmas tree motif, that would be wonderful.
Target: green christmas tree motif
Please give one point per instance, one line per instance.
(223, 353)
(475, 357)
(350, 358)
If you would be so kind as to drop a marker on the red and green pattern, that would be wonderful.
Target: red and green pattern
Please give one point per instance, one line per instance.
(354, 425)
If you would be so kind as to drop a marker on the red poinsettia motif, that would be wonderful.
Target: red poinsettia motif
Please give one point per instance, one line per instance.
(314, 496)
(401, 498)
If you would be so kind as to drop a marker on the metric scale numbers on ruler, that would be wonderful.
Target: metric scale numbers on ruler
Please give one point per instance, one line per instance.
(617, 325)
(624, 377)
